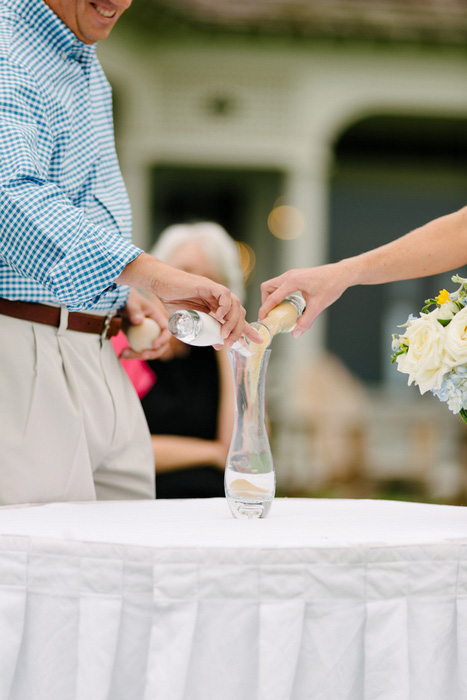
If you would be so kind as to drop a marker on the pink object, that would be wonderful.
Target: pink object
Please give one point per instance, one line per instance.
(141, 375)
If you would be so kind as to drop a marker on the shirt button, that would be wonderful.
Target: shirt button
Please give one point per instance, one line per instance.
(64, 55)
(120, 221)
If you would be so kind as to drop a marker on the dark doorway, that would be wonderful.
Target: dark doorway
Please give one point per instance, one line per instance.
(239, 200)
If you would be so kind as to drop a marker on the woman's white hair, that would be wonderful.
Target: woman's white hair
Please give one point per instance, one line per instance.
(216, 244)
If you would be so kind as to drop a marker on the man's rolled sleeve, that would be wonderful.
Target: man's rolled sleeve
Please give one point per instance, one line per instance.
(88, 271)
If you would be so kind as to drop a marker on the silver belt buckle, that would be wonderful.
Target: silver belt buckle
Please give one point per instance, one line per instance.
(107, 322)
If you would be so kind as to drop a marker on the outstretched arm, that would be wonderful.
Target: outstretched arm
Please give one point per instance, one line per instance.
(438, 246)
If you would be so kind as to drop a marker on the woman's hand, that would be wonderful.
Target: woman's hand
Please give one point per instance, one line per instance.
(320, 287)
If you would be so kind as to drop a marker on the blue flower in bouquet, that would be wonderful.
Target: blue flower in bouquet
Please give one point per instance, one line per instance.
(453, 389)
(433, 348)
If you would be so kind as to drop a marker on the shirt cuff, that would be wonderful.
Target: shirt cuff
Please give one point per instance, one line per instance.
(86, 273)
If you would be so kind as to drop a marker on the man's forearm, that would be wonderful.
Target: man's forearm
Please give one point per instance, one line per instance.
(140, 272)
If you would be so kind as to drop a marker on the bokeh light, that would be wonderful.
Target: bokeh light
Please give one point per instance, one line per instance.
(247, 258)
(286, 222)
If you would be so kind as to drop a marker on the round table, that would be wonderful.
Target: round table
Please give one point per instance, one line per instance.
(177, 600)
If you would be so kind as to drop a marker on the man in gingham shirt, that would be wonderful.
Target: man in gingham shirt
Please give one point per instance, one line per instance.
(71, 426)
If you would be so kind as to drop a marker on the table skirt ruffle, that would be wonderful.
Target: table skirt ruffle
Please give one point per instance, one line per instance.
(96, 621)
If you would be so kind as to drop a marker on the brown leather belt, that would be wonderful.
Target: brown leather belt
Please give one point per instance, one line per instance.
(50, 315)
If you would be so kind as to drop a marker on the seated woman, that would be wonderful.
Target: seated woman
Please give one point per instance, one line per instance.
(189, 408)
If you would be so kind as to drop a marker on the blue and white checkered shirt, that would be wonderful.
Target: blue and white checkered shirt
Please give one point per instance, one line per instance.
(65, 218)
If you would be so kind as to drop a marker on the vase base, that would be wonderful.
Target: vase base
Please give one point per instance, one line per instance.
(249, 510)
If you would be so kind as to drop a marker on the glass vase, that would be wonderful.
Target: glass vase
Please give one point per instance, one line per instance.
(250, 480)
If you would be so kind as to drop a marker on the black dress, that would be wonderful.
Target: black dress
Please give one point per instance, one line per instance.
(184, 401)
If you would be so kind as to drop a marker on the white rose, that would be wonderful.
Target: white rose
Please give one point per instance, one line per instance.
(425, 361)
(456, 338)
(446, 311)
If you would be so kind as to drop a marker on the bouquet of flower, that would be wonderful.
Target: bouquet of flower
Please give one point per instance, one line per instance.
(433, 349)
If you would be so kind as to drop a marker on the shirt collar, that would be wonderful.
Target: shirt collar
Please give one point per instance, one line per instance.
(47, 24)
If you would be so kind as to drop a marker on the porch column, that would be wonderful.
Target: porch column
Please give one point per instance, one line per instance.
(307, 190)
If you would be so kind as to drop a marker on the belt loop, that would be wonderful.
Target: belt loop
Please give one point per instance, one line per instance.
(105, 328)
(63, 320)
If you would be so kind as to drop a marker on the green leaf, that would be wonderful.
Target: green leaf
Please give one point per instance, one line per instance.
(428, 303)
(399, 352)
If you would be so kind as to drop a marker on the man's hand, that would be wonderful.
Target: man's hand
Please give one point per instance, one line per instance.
(182, 290)
(139, 307)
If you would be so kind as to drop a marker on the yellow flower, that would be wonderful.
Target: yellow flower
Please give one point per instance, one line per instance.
(442, 297)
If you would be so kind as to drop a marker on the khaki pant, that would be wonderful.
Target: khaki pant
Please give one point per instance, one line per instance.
(71, 423)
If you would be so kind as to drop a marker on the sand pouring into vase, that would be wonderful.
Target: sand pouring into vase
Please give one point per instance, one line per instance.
(250, 480)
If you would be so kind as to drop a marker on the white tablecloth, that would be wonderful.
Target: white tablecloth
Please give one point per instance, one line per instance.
(177, 600)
